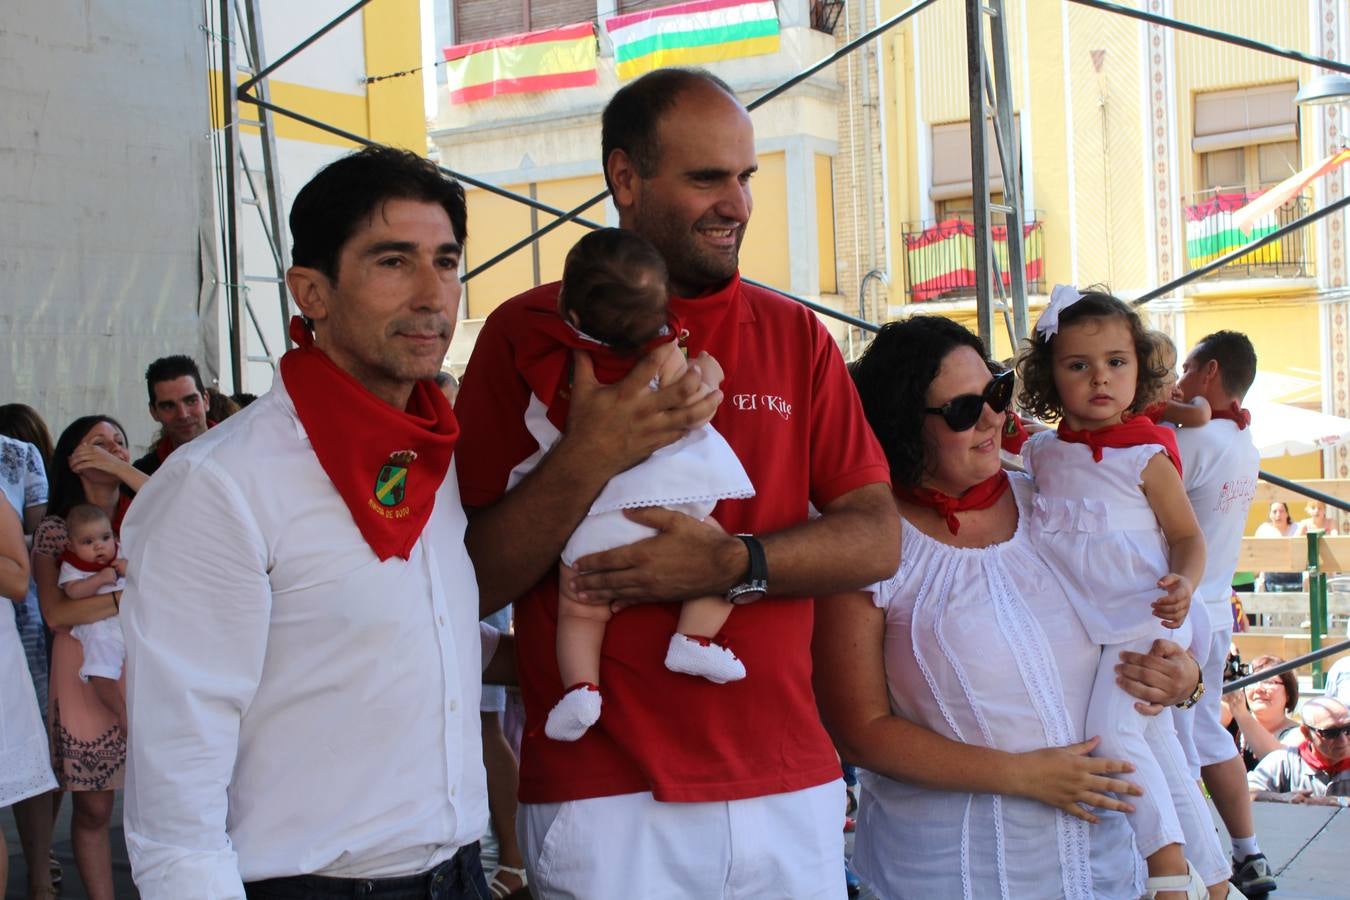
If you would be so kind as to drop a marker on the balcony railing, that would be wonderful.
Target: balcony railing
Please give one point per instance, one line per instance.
(1210, 233)
(940, 257)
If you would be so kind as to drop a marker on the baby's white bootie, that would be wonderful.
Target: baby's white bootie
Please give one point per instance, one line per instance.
(576, 712)
(703, 657)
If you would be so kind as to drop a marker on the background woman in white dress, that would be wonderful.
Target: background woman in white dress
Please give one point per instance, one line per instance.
(960, 685)
(25, 766)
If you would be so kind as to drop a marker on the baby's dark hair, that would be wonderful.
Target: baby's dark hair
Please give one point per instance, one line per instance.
(1036, 362)
(84, 514)
(614, 282)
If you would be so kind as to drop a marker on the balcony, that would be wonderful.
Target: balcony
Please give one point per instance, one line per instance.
(940, 257)
(1210, 233)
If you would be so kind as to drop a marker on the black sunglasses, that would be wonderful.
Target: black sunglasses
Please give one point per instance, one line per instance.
(961, 413)
(1330, 734)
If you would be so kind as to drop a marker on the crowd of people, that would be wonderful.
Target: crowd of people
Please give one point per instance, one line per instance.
(733, 561)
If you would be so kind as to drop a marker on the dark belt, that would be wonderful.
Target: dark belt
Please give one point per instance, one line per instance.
(323, 885)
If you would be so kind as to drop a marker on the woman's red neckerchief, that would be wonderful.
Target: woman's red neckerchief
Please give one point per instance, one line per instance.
(981, 496)
(1320, 762)
(1131, 433)
(1234, 413)
(386, 463)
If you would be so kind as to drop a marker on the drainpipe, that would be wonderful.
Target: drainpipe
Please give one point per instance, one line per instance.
(880, 276)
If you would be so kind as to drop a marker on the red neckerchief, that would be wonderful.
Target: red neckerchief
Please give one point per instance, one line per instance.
(1014, 433)
(165, 446)
(1130, 433)
(120, 513)
(68, 556)
(386, 463)
(1234, 413)
(1155, 412)
(981, 496)
(1320, 762)
(544, 359)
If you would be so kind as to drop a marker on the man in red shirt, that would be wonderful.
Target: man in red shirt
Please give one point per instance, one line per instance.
(683, 786)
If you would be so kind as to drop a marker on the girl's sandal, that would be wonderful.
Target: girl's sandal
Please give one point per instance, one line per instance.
(500, 888)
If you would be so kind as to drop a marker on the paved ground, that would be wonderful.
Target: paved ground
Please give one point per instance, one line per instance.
(1309, 847)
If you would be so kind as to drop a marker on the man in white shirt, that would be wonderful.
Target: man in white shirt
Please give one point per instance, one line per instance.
(1220, 465)
(303, 657)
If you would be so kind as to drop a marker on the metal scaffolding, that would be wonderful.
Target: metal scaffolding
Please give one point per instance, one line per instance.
(990, 98)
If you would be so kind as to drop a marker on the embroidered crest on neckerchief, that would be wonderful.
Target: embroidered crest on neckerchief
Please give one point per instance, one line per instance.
(392, 482)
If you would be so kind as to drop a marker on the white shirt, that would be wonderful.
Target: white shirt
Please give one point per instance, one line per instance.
(982, 646)
(22, 476)
(296, 705)
(1219, 463)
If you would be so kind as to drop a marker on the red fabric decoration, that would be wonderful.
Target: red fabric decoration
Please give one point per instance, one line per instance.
(1014, 433)
(1234, 413)
(1130, 433)
(544, 359)
(386, 463)
(981, 496)
(1320, 762)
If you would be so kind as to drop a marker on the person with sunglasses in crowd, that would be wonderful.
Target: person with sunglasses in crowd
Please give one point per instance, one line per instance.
(960, 684)
(1317, 771)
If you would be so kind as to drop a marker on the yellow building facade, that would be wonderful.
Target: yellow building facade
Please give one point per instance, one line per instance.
(1136, 144)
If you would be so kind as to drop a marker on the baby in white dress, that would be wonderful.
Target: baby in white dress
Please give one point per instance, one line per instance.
(1119, 531)
(90, 566)
(613, 305)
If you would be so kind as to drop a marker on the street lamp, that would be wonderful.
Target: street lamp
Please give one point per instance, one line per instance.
(1324, 90)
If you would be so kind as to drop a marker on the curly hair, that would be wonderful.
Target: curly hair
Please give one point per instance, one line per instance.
(892, 377)
(1036, 361)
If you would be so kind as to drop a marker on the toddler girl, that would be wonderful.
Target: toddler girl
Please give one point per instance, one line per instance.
(1119, 530)
(613, 304)
(92, 565)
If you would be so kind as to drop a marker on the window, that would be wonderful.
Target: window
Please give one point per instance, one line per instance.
(952, 189)
(476, 20)
(1246, 139)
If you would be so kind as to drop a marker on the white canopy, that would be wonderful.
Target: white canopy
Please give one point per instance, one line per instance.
(1279, 429)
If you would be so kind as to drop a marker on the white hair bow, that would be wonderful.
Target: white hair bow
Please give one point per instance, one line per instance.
(1061, 298)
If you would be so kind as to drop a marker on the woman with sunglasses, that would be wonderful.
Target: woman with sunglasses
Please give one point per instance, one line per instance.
(961, 683)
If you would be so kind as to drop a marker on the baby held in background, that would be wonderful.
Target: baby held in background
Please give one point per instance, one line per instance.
(614, 306)
(92, 565)
(1173, 409)
(1119, 530)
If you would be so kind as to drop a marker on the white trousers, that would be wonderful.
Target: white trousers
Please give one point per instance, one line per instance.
(788, 846)
(1172, 809)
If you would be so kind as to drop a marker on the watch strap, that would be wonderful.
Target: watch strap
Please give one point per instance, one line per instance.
(755, 584)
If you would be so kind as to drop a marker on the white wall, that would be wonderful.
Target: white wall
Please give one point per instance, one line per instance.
(104, 158)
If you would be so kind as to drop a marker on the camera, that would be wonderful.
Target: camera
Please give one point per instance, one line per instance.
(1234, 668)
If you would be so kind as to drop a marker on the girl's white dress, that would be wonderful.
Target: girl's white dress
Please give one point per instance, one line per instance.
(25, 763)
(982, 646)
(1103, 543)
(688, 476)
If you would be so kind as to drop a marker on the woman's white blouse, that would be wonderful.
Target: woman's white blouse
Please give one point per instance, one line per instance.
(982, 646)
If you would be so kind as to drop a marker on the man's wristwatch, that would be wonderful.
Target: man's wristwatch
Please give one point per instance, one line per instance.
(756, 581)
(1196, 694)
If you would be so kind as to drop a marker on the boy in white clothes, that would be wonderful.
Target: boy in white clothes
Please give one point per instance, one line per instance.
(93, 565)
(1220, 466)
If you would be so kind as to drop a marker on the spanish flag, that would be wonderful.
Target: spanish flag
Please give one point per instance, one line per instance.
(688, 34)
(522, 63)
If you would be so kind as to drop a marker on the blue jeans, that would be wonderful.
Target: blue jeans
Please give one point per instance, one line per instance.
(458, 878)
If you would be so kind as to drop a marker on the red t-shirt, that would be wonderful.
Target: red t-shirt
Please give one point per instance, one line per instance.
(791, 414)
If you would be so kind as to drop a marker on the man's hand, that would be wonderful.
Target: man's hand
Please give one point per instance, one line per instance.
(1165, 676)
(686, 559)
(617, 426)
(1173, 606)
